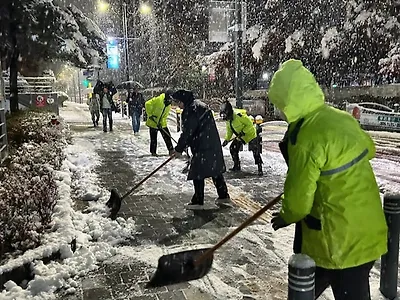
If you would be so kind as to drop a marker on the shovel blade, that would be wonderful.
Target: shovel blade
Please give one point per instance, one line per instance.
(180, 267)
(114, 203)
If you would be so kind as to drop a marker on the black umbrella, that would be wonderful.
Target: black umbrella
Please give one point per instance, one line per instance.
(126, 85)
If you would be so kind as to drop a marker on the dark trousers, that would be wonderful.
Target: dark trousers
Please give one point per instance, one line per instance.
(346, 284)
(95, 116)
(219, 183)
(254, 146)
(107, 113)
(234, 149)
(153, 139)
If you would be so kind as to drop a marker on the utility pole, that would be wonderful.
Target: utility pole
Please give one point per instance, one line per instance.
(79, 86)
(125, 29)
(238, 54)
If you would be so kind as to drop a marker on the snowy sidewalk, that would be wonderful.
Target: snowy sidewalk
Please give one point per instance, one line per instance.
(163, 225)
(251, 266)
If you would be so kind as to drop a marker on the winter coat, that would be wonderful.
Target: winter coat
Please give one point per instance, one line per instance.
(200, 133)
(330, 188)
(241, 126)
(109, 97)
(135, 103)
(156, 107)
(94, 103)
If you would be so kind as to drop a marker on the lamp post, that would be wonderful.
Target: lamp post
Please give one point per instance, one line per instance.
(238, 54)
(126, 45)
(144, 9)
(103, 7)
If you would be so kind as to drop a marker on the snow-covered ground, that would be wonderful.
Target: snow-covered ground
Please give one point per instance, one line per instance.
(98, 237)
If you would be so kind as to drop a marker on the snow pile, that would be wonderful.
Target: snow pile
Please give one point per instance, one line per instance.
(96, 235)
(257, 47)
(28, 191)
(329, 41)
(296, 38)
(253, 32)
(53, 32)
(391, 64)
(218, 56)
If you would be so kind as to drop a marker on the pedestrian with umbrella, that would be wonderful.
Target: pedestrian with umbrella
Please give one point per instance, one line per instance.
(200, 133)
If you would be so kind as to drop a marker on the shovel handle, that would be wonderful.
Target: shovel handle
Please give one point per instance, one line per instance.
(251, 219)
(147, 177)
(186, 150)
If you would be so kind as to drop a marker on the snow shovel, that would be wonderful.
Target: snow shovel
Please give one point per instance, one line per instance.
(115, 199)
(194, 264)
(186, 168)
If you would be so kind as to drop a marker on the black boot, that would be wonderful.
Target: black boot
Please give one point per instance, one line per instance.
(260, 170)
(236, 166)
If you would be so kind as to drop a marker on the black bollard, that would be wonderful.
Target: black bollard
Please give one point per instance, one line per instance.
(301, 285)
(390, 261)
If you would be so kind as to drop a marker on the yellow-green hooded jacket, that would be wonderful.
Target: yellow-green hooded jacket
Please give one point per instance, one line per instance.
(330, 185)
(156, 107)
(240, 125)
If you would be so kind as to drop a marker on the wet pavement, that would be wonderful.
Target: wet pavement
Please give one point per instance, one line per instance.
(251, 266)
(163, 222)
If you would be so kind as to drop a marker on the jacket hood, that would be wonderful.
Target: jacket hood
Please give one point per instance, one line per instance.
(294, 90)
(184, 96)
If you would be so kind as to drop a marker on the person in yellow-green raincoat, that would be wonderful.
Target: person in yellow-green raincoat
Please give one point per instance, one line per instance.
(157, 111)
(239, 124)
(330, 190)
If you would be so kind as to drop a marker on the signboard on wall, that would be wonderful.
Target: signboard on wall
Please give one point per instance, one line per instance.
(222, 20)
(112, 54)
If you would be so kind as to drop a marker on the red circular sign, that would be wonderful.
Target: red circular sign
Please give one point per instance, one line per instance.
(356, 113)
(40, 101)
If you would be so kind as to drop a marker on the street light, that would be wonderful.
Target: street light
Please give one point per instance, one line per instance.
(145, 8)
(103, 6)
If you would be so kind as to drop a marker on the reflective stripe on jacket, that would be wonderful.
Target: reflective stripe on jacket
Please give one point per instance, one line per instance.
(156, 107)
(330, 185)
(240, 125)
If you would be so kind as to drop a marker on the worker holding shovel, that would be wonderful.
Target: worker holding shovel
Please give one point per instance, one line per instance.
(239, 125)
(330, 189)
(157, 110)
(200, 133)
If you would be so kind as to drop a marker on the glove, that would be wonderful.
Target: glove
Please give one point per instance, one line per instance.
(225, 143)
(277, 221)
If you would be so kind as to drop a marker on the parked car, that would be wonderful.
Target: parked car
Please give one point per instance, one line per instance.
(375, 116)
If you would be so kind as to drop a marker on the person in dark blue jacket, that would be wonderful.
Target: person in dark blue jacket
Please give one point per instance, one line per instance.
(135, 108)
